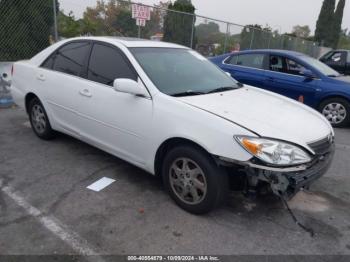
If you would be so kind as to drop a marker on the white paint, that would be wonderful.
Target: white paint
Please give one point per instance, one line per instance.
(141, 125)
(27, 124)
(101, 184)
(52, 224)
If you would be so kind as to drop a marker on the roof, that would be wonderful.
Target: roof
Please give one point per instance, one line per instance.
(130, 41)
(272, 51)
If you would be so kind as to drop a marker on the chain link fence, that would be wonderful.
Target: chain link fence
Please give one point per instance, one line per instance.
(27, 27)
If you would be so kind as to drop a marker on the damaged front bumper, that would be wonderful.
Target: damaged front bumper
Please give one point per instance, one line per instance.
(289, 180)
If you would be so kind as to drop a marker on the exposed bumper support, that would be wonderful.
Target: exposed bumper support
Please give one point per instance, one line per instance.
(287, 181)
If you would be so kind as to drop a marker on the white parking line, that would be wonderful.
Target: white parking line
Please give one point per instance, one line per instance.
(101, 184)
(27, 124)
(71, 238)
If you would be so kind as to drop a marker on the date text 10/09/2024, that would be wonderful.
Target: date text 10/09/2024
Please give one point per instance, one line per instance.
(173, 258)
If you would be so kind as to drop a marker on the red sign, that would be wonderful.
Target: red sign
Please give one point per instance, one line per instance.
(141, 12)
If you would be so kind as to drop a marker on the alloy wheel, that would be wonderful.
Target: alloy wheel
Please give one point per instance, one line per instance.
(334, 112)
(188, 181)
(38, 119)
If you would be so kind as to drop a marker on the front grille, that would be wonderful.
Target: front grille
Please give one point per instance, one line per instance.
(322, 146)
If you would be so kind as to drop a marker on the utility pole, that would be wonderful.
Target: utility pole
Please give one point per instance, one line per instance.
(55, 20)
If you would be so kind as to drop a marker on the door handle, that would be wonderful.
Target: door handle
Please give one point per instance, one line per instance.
(85, 92)
(40, 77)
(271, 79)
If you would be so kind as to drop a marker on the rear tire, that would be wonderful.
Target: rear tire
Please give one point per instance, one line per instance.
(337, 111)
(39, 121)
(193, 179)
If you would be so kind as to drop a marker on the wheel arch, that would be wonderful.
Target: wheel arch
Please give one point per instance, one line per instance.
(29, 97)
(168, 145)
(331, 97)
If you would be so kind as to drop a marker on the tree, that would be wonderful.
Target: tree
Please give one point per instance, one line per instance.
(25, 28)
(67, 25)
(114, 18)
(344, 40)
(256, 36)
(178, 27)
(325, 23)
(337, 22)
(301, 31)
(328, 26)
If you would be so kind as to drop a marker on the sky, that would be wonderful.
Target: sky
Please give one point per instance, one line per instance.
(281, 15)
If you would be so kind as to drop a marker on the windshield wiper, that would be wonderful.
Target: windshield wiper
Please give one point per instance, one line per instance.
(222, 89)
(188, 93)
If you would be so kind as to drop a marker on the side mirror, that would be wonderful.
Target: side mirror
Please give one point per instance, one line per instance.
(229, 74)
(308, 74)
(129, 86)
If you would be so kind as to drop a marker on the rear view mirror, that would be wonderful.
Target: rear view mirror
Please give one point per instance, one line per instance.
(129, 86)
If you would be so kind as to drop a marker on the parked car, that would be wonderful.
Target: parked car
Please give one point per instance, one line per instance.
(294, 75)
(339, 60)
(168, 110)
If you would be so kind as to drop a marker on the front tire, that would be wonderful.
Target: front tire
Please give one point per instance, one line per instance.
(39, 120)
(337, 111)
(194, 180)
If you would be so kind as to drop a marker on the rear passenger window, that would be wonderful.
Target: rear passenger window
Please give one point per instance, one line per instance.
(70, 58)
(248, 60)
(107, 63)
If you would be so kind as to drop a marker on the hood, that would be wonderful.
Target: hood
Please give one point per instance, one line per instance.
(345, 79)
(265, 113)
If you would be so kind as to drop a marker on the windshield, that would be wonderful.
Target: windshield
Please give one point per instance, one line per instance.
(321, 67)
(177, 71)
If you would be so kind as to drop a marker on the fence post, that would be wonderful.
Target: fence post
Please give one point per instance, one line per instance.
(55, 20)
(227, 32)
(192, 33)
(252, 39)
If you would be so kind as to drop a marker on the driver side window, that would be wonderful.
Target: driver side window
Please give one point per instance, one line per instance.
(285, 65)
(107, 63)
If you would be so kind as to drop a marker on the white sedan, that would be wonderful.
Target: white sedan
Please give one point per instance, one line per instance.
(168, 110)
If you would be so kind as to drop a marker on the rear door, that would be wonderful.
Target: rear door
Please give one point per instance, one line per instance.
(246, 68)
(115, 121)
(59, 79)
(285, 77)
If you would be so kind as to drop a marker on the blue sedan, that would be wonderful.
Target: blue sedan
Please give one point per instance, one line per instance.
(294, 75)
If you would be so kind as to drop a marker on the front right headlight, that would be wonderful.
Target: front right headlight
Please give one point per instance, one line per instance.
(273, 151)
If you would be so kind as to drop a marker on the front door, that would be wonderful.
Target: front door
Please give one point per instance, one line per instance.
(118, 122)
(285, 77)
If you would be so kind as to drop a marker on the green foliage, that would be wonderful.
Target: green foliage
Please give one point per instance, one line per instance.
(301, 31)
(178, 27)
(256, 36)
(67, 25)
(25, 28)
(328, 26)
(112, 18)
(338, 19)
(344, 40)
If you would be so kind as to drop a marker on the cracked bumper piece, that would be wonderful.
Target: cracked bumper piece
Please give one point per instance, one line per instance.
(289, 181)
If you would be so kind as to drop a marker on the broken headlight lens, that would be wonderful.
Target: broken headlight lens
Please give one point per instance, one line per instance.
(273, 151)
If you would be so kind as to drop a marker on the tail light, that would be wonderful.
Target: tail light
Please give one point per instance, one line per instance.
(12, 68)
